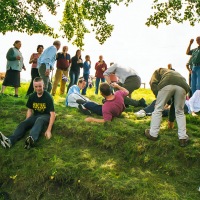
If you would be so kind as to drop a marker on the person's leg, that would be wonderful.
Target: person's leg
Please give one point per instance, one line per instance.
(38, 126)
(42, 70)
(94, 107)
(85, 76)
(103, 80)
(63, 82)
(22, 128)
(16, 91)
(97, 85)
(72, 78)
(179, 102)
(57, 78)
(150, 108)
(128, 101)
(198, 77)
(162, 98)
(132, 83)
(3, 89)
(194, 80)
(72, 99)
(77, 74)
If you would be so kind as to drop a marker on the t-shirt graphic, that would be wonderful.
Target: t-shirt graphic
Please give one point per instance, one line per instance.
(40, 107)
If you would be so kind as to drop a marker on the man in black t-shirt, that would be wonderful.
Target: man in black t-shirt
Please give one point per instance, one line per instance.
(40, 113)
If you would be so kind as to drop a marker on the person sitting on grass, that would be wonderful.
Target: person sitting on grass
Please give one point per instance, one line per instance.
(40, 113)
(74, 93)
(112, 107)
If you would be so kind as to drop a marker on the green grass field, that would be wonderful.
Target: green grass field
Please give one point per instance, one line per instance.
(90, 161)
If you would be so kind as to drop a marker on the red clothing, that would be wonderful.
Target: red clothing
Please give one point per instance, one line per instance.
(35, 56)
(100, 69)
(114, 108)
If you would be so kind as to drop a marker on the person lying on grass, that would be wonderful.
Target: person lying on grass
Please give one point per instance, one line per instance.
(40, 113)
(112, 107)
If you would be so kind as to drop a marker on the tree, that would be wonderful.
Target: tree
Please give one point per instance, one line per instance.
(83, 16)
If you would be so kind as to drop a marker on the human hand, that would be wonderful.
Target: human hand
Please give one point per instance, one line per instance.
(194, 114)
(47, 72)
(114, 85)
(18, 57)
(48, 134)
(170, 125)
(89, 119)
(191, 41)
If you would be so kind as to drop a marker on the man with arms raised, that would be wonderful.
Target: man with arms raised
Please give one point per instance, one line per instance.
(39, 114)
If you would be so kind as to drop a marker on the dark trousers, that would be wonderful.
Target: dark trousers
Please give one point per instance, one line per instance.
(86, 77)
(97, 84)
(74, 76)
(94, 107)
(36, 123)
(34, 74)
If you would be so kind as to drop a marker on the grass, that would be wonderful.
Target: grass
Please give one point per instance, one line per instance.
(89, 161)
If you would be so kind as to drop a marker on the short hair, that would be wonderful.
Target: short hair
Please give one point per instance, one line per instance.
(39, 47)
(105, 89)
(112, 63)
(17, 41)
(87, 56)
(56, 42)
(38, 79)
(81, 81)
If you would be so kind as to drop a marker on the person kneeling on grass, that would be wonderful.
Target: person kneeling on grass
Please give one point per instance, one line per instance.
(112, 107)
(40, 113)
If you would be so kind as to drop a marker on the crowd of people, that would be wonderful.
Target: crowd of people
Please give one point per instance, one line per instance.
(174, 97)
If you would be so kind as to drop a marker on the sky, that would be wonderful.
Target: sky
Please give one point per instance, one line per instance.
(132, 43)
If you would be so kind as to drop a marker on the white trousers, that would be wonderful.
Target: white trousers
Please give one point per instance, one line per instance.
(164, 95)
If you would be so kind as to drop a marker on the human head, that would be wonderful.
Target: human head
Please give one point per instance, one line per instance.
(78, 53)
(169, 66)
(198, 40)
(38, 85)
(87, 57)
(57, 44)
(17, 44)
(65, 48)
(112, 63)
(105, 89)
(81, 84)
(40, 48)
(100, 57)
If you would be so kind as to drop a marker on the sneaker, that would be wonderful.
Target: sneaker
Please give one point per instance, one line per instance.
(80, 101)
(183, 142)
(147, 134)
(5, 142)
(140, 113)
(29, 142)
(142, 103)
(84, 110)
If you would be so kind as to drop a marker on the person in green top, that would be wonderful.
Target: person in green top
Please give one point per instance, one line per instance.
(168, 84)
(195, 60)
(40, 113)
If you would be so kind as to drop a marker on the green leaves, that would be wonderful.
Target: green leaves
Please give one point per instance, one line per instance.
(175, 10)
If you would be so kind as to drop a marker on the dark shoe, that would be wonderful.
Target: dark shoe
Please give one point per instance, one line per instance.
(5, 142)
(16, 95)
(142, 103)
(29, 142)
(84, 110)
(147, 134)
(80, 101)
(184, 142)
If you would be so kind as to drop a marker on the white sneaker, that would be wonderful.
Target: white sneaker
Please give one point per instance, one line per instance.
(5, 142)
(140, 113)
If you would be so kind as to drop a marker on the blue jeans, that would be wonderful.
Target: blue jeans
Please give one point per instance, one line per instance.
(94, 107)
(36, 123)
(195, 79)
(86, 77)
(74, 76)
(97, 84)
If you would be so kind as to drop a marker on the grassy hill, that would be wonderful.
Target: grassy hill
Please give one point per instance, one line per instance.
(89, 161)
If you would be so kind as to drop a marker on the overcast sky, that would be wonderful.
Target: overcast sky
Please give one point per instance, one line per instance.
(131, 44)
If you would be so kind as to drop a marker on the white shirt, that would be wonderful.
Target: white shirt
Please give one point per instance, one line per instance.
(193, 103)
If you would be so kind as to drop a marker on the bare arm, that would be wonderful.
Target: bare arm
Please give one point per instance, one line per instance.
(31, 59)
(51, 122)
(29, 113)
(190, 44)
(92, 119)
(115, 85)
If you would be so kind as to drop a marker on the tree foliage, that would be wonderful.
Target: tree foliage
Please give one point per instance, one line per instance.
(85, 16)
